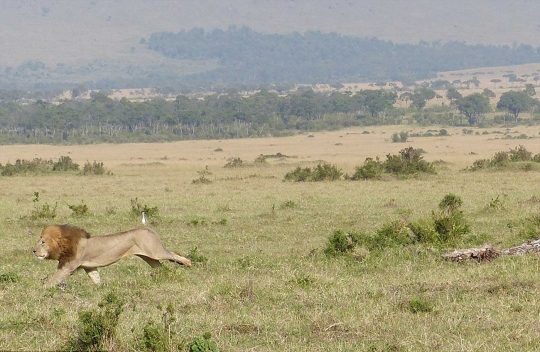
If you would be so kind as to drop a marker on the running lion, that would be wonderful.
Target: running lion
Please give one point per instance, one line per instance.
(74, 248)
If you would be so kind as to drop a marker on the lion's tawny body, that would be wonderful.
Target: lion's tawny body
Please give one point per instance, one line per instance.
(74, 248)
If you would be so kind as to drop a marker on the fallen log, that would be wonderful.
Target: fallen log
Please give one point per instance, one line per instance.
(487, 252)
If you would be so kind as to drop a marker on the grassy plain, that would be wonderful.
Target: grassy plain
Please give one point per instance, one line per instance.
(267, 286)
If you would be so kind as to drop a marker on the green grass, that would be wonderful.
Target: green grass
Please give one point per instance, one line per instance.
(266, 284)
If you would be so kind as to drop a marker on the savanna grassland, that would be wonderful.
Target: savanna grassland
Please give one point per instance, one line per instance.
(267, 284)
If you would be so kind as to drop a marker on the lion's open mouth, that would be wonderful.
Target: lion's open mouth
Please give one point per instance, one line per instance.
(40, 257)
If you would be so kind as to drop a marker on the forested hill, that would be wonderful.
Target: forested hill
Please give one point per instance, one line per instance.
(247, 56)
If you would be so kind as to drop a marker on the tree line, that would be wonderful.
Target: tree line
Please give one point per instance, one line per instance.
(266, 113)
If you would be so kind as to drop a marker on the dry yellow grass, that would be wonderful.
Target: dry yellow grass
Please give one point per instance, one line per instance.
(345, 148)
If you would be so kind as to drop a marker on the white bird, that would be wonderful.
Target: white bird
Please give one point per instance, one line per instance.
(143, 218)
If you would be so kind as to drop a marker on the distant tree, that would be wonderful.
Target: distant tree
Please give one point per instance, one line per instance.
(529, 89)
(474, 106)
(515, 102)
(495, 81)
(536, 79)
(406, 97)
(454, 96)
(511, 77)
(376, 101)
(440, 84)
(421, 96)
(475, 81)
(489, 93)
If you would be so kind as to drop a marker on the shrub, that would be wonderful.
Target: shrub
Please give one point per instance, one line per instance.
(45, 211)
(234, 162)
(65, 163)
(423, 231)
(530, 228)
(400, 137)
(37, 165)
(159, 338)
(392, 234)
(137, 208)
(299, 175)
(340, 243)
(372, 169)
(97, 327)
(201, 180)
(95, 168)
(326, 172)
(195, 256)
(409, 161)
(9, 277)
(154, 338)
(322, 172)
(520, 154)
(449, 222)
(78, 209)
(261, 160)
(420, 306)
(203, 344)
(500, 159)
(503, 159)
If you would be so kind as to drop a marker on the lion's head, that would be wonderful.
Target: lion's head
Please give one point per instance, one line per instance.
(59, 242)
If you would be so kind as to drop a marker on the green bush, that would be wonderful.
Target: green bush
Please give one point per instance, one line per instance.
(37, 165)
(195, 256)
(409, 161)
(203, 344)
(137, 208)
(400, 137)
(78, 209)
(326, 172)
(530, 228)
(423, 231)
(201, 180)
(95, 168)
(154, 338)
(42, 211)
(299, 175)
(97, 327)
(234, 162)
(340, 243)
(322, 172)
(65, 163)
(520, 154)
(392, 234)
(372, 169)
(420, 306)
(159, 338)
(503, 159)
(449, 221)
(9, 277)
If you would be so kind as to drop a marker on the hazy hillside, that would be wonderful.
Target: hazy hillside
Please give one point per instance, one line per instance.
(67, 31)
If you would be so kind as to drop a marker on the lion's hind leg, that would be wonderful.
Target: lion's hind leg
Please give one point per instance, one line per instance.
(177, 258)
(158, 252)
(154, 263)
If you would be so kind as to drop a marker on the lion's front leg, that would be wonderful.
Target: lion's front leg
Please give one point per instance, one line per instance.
(94, 275)
(59, 277)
